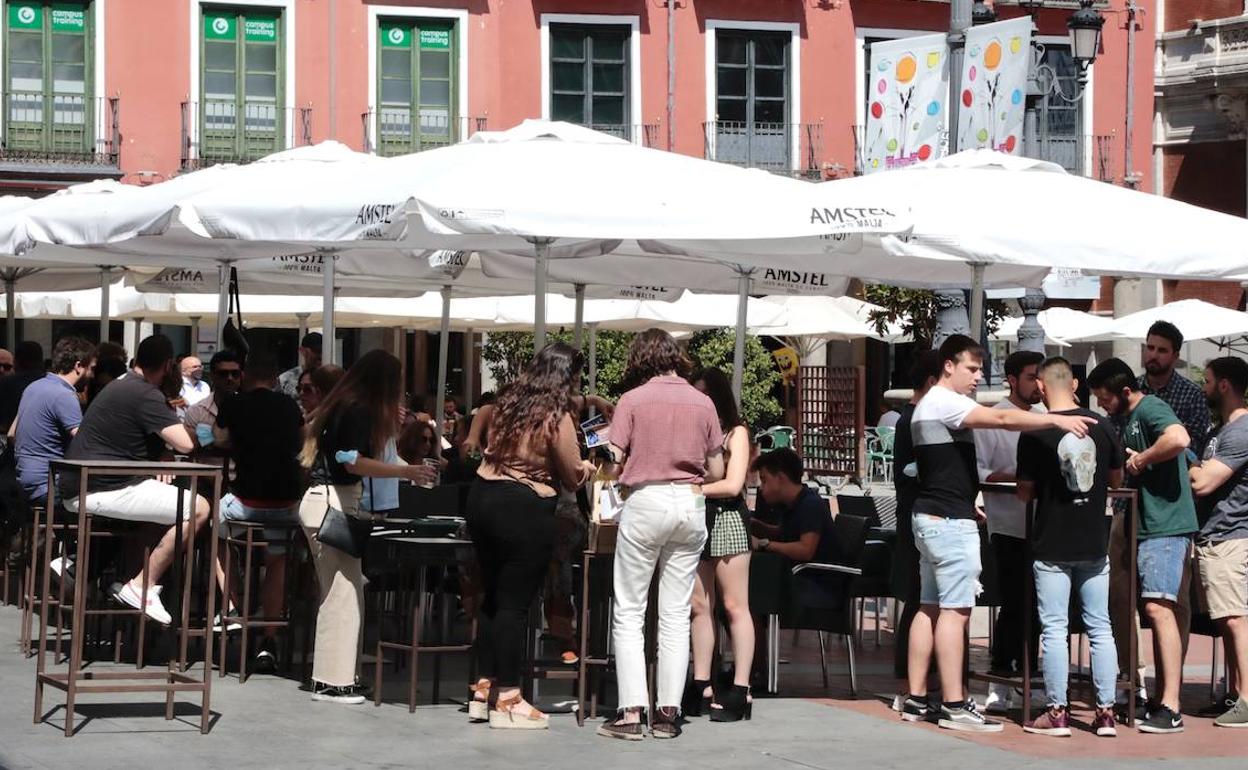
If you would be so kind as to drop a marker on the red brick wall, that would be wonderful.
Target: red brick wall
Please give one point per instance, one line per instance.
(1180, 13)
(1222, 293)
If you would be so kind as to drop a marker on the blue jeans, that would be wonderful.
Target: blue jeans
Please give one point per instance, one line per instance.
(1161, 562)
(233, 509)
(949, 563)
(1054, 581)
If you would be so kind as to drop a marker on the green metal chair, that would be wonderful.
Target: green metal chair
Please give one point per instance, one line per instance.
(880, 452)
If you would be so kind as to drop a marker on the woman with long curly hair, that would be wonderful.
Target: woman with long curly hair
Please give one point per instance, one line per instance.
(347, 431)
(531, 451)
(671, 443)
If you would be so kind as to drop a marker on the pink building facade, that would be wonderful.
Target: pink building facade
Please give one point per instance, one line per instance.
(144, 89)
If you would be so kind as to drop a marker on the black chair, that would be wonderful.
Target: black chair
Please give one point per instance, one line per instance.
(859, 505)
(826, 607)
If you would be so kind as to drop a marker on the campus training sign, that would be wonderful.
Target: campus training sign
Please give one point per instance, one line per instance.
(994, 86)
(908, 85)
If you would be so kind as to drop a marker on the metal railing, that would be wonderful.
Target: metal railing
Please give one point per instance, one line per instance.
(227, 131)
(399, 130)
(644, 134)
(60, 128)
(769, 146)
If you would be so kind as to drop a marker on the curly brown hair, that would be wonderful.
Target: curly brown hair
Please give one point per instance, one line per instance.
(534, 404)
(655, 352)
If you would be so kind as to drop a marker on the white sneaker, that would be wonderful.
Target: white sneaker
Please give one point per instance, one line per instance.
(233, 627)
(999, 697)
(60, 565)
(127, 594)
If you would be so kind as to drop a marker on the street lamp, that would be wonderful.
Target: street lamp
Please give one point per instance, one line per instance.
(982, 13)
(1085, 35)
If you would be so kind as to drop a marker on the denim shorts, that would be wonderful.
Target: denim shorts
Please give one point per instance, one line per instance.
(949, 563)
(1161, 562)
(233, 509)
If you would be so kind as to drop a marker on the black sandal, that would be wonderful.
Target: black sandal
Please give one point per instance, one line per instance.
(696, 703)
(625, 731)
(734, 706)
(664, 725)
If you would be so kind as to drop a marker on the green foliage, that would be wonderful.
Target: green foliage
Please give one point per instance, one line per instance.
(715, 348)
(916, 310)
(507, 353)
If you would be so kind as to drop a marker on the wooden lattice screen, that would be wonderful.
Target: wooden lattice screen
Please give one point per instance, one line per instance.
(830, 419)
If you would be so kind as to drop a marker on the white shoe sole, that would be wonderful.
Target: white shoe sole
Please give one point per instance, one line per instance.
(1107, 732)
(478, 711)
(1057, 732)
(1232, 726)
(1159, 730)
(915, 717)
(346, 700)
(967, 727)
(116, 591)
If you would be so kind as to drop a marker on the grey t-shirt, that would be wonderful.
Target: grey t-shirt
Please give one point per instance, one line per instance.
(1224, 514)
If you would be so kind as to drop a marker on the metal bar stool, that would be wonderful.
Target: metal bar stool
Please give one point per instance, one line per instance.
(417, 554)
(247, 537)
(76, 681)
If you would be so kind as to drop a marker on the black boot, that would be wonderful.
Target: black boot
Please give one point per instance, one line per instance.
(734, 706)
(696, 703)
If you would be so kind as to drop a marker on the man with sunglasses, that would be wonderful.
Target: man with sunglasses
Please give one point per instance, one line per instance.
(226, 373)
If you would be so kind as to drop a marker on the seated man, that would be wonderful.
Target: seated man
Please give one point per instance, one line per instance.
(49, 415)
(200, 417)
(131, 420)
(805, 532)
(263, 430)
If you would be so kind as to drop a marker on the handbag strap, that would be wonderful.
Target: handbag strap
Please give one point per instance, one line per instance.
(236, 306)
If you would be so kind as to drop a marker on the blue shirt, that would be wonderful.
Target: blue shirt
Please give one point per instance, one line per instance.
(49, 411)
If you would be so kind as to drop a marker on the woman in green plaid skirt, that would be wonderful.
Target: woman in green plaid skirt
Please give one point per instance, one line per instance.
(726, 562)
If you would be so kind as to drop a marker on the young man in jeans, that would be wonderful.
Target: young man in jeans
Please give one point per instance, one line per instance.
(1067, 477)
(1155, 442)
(1220, 484)
(946, 529)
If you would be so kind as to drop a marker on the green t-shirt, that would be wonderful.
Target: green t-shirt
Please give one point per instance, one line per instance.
(1166, 505)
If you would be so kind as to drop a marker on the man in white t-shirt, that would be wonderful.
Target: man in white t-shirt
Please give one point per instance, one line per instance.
(946, 530)
(996, 456)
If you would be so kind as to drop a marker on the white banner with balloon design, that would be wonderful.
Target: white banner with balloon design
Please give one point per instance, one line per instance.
(994, 86)
(908, 86)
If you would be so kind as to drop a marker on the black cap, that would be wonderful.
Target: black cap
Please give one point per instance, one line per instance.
(311, 341)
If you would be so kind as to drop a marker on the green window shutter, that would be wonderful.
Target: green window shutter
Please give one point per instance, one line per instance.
(417, 85)
(242, 113)
(48, 100)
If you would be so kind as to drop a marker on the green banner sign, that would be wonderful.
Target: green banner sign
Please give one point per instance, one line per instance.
(218, 27)
(393, 36)
(69, 18)
(435, 39)
(25, 17)
(260, 29)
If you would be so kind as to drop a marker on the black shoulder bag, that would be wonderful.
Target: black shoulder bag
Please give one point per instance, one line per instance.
(232, 337)
(340, 529)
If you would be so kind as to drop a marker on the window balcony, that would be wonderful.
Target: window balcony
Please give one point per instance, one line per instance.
(795, 149)
(400, 131)
(227, 131)
(644, 134)
(60, 135)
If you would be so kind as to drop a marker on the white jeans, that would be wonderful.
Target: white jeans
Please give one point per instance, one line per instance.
(662, 525)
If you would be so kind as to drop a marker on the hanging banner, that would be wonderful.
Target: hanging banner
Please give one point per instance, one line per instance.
(994, 86)
(908, 86)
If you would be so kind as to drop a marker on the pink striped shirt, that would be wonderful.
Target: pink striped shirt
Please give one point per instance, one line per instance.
(667, 428)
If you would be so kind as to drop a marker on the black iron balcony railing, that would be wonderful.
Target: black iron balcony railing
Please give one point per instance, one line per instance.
(787, 148)
(56, 128)
(228, 131)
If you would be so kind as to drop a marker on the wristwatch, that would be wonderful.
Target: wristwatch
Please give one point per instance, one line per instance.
(763, 543)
